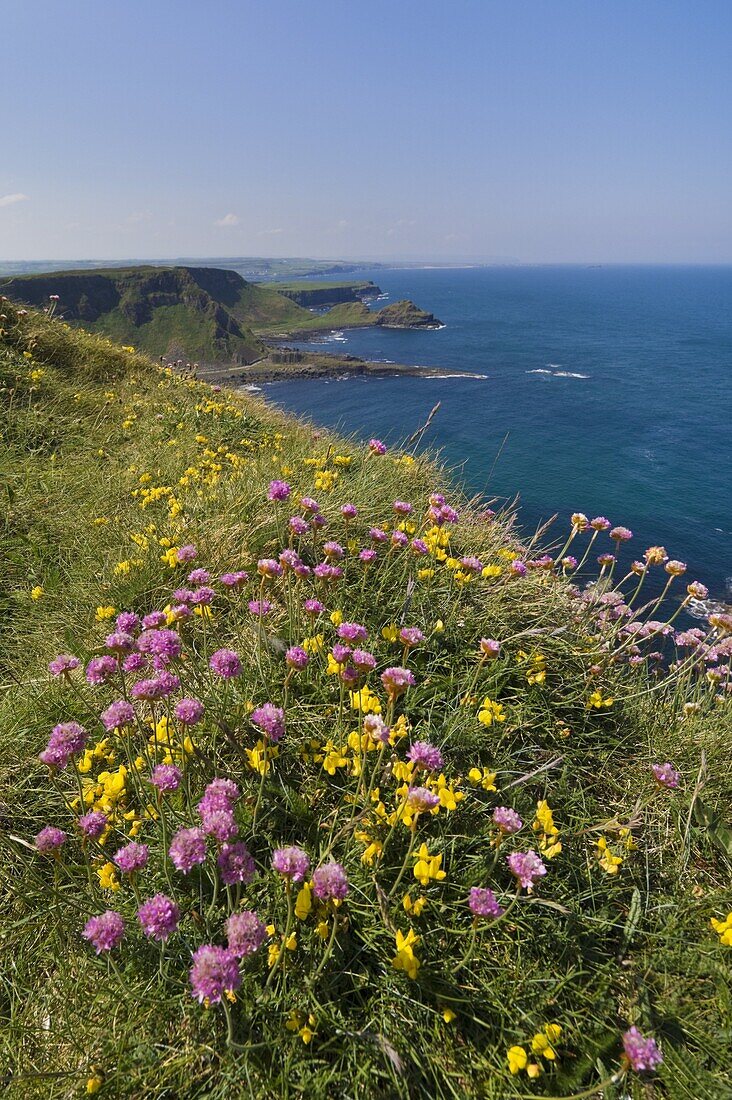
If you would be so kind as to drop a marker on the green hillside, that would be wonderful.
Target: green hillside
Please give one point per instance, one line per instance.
(462, 855)
(176, 312)
(206, 314)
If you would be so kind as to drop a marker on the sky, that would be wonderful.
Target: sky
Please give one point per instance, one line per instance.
(531, 131)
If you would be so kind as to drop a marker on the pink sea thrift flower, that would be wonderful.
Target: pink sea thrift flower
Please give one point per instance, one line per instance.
(396, 680)
(665, 775)
(66, 740)
(330, 882)
(159, 917)
(235, 864)
(278, 491)
(296, 658)
(187, 848)
(93, 824)
(188, 711)
(291, 862)
(527, 867)
(507, 820)
(245, 933)
(50, 839)
(214, 973)
(117, 715)
(166, 777)
(225, 663)
(420, 800)
(642, 1054)
(133, 857)
(270, 720)
(105, 932)
(63, 665)
(425, 756)
(483, 903)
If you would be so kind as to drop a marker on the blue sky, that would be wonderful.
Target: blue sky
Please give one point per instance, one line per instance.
(477, 130)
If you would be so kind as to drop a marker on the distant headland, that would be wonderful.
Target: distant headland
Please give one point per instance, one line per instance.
(211, 316)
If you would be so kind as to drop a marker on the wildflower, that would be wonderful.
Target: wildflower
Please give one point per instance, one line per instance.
(364, 661)
(214, 973)
(405, 958)
(547, 832)
(225, 663)
(398, 538)
(236, 864)
(606, 560)
(330, 882)
(606, 858)
(93, 824)
(377, 535)
(133, 857)
(517, 1059)
(484, 778)
(352, 632)
(489, 648)
(63, 664)
(278, 491)
(105, 932)
(159, 917)
(411, 636)
(314, 607)
(641, 1053)
(376, 728)
(199, 576)
(656, 555)
(187, 848)
(349, 511)
(291, 862)
(491, 712)
(621, 534)
(269, 568)
(118, 714)
(245, 933)
(420, 800)
(296, 658)
(50, 839)
(67, 739)
(367, 556)
(517, 568)
(297, 525)
(543, 1043)
(158, 688)
(155, 620)
(100, 669)
(376, 447)
(665, 775)
(107, 875)
(507, 820)
(234, 580)
(723, 928)
(309, 505)
(186, 554)
(697, 590)
(427, 867)
(526, 867)
(483, 903)
(166, 777)
(270, 720)
(396, 681)
(424, 755)
(119, 642)
(675, 568)
(413, 907)
(188, 711)
(597, 701)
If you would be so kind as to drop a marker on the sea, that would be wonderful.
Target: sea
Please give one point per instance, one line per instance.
(599, 389)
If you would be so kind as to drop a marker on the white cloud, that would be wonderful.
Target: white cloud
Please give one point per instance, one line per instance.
(9, 200)
(227, 220)
(138, 216)
(269, 232)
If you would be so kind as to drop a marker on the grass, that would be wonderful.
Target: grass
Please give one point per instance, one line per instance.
(108, 464)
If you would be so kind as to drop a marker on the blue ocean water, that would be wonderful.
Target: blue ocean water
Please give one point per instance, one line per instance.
(607, 391)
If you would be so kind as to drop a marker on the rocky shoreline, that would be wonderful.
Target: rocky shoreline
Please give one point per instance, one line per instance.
(288, 364)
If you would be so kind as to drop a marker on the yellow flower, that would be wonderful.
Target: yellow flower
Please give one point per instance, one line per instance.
(491, 571)
(405, 958)
(485, 778)
(365, 700)
(723, 928)
(336, 617)
(94, 1083)
(36, 592)
(304, 901)
(491, 712)
(107, 875)
(548, 833)
(390, 632)
(316, 644)
(413, 907)
(597, 700)
(427, 867)
(104, 613)
(517, 1059)
(448, 1015)
(609, 862)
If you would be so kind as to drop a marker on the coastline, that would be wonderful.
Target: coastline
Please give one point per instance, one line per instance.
(287, 365)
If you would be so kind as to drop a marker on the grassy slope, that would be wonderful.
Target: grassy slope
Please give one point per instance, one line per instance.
(635, 948)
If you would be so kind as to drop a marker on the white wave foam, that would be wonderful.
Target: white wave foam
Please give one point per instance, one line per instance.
(557, 373)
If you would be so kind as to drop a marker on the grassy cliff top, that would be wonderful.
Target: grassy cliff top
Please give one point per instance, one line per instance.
(480, 708)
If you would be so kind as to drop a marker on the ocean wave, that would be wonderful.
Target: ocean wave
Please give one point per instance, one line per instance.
(454, 374)
(557, 373)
